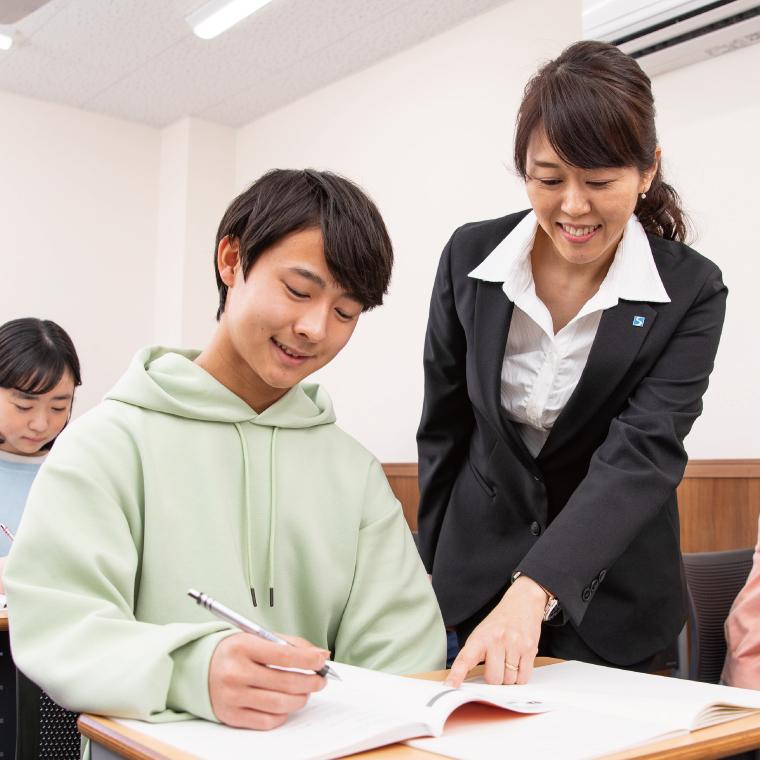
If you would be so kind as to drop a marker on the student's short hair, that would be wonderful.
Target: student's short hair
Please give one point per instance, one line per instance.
(34, 355)
(357, 247)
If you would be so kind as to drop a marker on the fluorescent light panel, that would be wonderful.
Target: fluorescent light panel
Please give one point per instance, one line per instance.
(217, 16)
(6, 41)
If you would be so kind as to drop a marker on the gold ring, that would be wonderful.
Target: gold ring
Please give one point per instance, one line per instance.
(510, 666)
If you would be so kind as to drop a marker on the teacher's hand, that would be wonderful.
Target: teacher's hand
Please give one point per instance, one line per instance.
(507, 639)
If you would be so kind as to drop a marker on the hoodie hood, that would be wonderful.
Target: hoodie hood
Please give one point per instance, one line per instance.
(167, 380)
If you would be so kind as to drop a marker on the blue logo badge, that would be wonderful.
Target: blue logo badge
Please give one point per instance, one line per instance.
(639, 321)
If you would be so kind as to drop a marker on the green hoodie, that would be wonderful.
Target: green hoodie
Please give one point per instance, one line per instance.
(174, 482)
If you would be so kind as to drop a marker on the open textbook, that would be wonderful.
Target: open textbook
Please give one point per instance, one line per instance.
(598, 711)
(365, 709)
(571, 709)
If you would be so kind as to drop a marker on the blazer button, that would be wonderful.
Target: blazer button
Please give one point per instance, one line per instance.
(586, 595)
(594, 584)
(535, 529)
(601, 575)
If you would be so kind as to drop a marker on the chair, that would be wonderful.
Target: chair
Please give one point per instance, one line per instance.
(7, 698)
(44, 730)
(713, 580)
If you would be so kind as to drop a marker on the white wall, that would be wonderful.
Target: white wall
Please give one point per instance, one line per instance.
(108, 226)
(196, 185)
(709, 123)
(78, 217)
(108, 229)
(428, 134)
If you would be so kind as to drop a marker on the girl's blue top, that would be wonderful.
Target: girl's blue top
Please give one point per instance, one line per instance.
(16, 476)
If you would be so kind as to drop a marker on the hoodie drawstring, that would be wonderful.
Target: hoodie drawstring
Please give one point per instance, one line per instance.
(272, 512)
(246, 509)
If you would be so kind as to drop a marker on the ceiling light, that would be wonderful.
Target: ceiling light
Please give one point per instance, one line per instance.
(5, 41)
(217, 16)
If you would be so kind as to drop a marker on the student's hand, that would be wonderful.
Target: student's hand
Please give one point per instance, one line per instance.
(245, 693)
(508, 636)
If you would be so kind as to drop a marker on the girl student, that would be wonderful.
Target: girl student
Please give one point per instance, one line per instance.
(39, 370)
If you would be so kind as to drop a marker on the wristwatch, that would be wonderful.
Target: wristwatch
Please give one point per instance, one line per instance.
(552, 603)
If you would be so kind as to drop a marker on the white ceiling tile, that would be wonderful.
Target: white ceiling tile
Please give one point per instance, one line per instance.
(182, 81)
(138, 59)
(64, 81)
(367, 44)
(116, 37)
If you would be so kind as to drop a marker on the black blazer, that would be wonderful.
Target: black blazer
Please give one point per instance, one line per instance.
(594, 517)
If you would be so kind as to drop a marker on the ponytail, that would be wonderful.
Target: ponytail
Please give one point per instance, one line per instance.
(661, 213)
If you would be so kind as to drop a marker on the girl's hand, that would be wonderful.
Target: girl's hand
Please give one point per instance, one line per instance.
(507, 639)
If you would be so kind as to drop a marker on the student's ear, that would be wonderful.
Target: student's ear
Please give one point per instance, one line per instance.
(228, 259)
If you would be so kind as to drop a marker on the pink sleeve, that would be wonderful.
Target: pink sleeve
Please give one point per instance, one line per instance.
(742, 666)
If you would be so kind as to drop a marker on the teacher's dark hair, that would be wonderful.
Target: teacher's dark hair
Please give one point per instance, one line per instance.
(357, 247)
(34, 355)
(596, 108)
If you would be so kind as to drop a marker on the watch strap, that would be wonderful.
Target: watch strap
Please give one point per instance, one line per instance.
(552, 603)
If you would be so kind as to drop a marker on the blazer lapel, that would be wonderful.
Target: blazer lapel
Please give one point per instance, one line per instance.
(493, 314)
(621, 333)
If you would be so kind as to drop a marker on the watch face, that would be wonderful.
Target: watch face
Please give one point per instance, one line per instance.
(551, 609)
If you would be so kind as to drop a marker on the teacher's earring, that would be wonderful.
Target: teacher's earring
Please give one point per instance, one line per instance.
(643, 196)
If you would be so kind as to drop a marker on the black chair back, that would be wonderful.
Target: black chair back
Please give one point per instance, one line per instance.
(44, 729)
(713, 579)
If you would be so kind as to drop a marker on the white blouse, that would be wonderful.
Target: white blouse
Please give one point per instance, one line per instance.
(541, 368)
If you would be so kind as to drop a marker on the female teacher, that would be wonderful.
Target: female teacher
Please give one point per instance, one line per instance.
(567, 351)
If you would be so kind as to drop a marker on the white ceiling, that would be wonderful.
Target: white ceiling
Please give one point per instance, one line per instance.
(138, 59)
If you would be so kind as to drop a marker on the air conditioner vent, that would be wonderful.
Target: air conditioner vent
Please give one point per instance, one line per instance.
(672, 21)
(694, 33)
(667, 34)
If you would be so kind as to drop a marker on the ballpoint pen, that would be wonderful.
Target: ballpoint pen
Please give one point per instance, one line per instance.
(225, 613)
(7, 531)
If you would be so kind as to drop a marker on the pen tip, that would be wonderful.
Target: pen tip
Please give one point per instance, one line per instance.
(194, 594)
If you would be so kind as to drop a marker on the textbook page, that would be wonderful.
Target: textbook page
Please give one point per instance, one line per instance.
(599, 711)
(477, 731)
(3, 603)
(680, 704)
(366, 709)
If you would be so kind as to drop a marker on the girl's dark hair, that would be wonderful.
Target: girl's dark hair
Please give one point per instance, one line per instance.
(34, 355)
(595, 105)
(357, 247)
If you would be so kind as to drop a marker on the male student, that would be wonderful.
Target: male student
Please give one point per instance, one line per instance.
(220, 470)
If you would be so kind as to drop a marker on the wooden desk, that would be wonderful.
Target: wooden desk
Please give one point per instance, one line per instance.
(110, 740)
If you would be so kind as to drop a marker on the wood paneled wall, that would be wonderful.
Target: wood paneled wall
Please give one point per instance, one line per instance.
(718, 500)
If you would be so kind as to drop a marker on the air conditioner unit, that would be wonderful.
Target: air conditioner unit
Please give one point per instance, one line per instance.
(667, 34)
